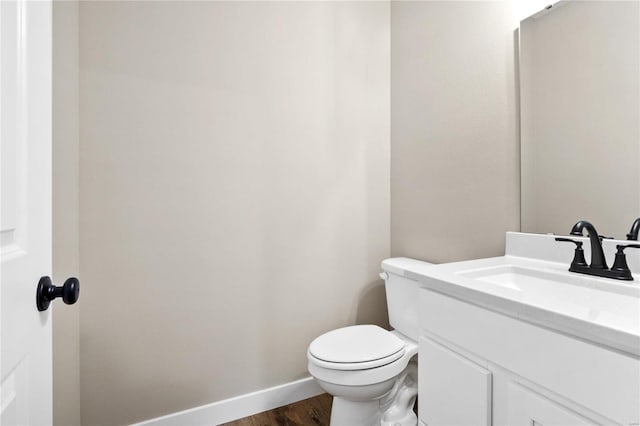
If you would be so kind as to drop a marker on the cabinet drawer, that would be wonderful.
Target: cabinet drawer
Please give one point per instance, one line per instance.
(453, 390)
(527, 408)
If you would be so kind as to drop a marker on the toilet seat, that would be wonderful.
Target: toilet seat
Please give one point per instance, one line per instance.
(358, 347)
(352, 374)
(365, 365)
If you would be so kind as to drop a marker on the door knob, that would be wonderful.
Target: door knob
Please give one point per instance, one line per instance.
(69, 291)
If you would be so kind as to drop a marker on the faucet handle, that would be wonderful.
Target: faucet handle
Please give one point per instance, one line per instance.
(621, 247)
(578, 257)
(569, 240)
(620, 263)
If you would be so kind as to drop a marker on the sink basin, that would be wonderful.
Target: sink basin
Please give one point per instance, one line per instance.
(576, 296)
(513, 277)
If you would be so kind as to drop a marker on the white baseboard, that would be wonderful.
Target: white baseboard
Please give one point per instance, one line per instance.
(240, 406)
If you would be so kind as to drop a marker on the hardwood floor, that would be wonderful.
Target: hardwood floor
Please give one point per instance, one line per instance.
(309, 412)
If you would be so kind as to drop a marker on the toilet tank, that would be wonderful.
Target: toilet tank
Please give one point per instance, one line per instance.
(402, 293)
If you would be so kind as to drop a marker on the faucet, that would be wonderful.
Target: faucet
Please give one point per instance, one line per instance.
(633, 234)
(619, 270)
(597, 255)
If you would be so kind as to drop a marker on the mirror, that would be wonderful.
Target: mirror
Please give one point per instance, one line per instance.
(580, 117)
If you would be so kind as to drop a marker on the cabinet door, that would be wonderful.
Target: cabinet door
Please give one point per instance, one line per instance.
(528, 408)
(452, 389)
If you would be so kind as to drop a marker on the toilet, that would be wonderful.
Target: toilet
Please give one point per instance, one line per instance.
(372, 373)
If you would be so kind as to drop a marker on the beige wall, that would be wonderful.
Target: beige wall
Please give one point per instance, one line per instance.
(234, 182)
(581, 117)
(234, 194)
(454, 140)
(66, 331)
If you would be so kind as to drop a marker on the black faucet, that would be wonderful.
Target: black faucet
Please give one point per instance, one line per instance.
(633, 234)
(598, 266)
(597, 255)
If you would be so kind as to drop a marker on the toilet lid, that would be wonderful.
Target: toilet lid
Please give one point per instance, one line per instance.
(356, 344)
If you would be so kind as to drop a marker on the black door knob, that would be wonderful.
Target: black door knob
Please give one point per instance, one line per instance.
(69, 291)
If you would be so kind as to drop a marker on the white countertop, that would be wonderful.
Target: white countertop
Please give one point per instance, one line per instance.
(543, 292)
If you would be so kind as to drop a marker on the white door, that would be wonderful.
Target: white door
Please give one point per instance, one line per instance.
(25, 210)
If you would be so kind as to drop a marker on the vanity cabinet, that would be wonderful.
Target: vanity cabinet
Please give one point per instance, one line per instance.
(463, 393)
(481, 367)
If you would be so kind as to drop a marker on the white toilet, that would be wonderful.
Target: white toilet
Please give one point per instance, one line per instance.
(372, 373)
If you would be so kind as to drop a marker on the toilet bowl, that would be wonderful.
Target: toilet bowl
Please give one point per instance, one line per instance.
(365, 367)
(372, 373)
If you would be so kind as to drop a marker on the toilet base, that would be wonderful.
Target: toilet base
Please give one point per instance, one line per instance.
(355, 413)
(398, 405)
(395, 408)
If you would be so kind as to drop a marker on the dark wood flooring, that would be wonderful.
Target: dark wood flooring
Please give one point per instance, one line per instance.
(309, 412)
